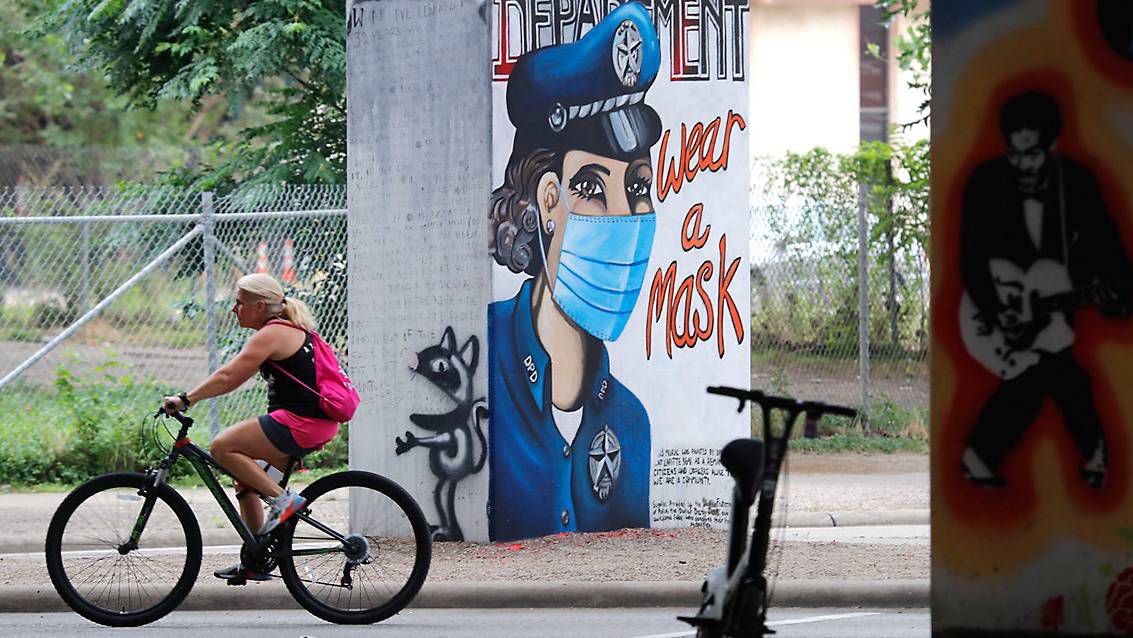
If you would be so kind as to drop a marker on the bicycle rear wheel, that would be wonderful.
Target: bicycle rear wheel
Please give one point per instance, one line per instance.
(103, 580)
(360, 554)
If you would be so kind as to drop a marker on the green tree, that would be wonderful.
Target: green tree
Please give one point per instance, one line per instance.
(51, 113)
(914, 50)
(286, 56)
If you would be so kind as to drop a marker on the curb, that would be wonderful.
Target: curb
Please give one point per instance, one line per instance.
(520, 594)
(853, 519)
(225, 536)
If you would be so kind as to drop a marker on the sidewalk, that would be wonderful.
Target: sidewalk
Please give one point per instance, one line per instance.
(856, 533)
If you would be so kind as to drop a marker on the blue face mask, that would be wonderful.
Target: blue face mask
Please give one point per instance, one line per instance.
(602, 266)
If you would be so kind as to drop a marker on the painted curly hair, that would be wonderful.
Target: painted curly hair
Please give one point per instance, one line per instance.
(514, 213)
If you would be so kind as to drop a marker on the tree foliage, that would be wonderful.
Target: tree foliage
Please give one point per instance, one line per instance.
(44, 100)
(286, 56)
(63, 125)
(914, 50)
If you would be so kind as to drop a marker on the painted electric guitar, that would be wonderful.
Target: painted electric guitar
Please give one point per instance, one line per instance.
(1040, 297)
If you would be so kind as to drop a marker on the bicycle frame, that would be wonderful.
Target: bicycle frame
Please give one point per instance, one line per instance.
(206, 467)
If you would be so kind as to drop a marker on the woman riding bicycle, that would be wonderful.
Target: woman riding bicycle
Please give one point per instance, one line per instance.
(294, 424)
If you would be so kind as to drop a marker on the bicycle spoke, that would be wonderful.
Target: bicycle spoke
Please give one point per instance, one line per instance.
(156, 568)
(92, 564)
(102, 541)
(340, 569)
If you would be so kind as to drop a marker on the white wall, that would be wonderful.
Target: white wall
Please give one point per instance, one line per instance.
(804, 77)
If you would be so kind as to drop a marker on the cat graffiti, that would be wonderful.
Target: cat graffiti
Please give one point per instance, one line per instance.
(457, 446)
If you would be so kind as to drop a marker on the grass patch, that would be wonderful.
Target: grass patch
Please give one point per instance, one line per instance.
(858, 443)
(893, 428)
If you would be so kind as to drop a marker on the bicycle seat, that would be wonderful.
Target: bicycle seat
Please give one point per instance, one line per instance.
(743, 458)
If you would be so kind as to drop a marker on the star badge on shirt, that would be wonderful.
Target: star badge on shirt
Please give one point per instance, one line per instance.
(605, 462)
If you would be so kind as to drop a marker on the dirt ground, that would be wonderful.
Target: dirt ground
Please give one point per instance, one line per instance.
(171, 366)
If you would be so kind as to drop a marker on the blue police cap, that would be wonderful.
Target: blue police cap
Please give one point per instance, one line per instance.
(588, 95)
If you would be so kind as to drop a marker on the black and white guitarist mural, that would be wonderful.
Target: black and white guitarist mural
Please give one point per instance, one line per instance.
(1040, 299)
(1037, 243)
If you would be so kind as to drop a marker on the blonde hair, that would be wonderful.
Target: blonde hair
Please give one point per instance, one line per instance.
(287, 308)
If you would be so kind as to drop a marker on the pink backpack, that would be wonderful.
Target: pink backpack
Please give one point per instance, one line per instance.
(337, 397)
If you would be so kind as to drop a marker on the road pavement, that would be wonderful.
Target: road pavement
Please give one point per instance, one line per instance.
(658, 622)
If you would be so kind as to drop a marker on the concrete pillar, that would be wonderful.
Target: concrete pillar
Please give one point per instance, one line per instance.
(1032, 113)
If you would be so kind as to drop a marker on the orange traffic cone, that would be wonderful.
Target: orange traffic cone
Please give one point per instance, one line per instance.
(288, 261)
(262, 257)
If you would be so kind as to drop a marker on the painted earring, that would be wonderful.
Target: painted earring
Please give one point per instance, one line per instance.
(550, 226)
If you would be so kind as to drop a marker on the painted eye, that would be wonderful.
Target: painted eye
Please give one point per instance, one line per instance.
(638, 187)
(588, 188)
(440, 366)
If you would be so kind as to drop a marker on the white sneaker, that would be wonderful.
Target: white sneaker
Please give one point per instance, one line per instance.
(283, 507)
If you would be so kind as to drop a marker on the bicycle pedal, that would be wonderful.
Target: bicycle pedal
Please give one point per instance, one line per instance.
(238, 580)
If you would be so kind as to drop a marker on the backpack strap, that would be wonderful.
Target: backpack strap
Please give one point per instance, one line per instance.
(280, 368)
(296, 379)
(286, 323)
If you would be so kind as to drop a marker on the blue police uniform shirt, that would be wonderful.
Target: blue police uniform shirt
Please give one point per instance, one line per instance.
(539, 483)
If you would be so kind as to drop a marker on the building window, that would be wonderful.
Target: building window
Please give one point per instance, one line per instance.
(873, 76)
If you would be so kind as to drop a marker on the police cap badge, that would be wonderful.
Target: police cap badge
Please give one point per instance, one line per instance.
(589, 95)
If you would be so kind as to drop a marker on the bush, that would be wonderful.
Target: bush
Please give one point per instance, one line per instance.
(52, 313)
(892, 429)
(98, 422)
(85, 425)
(336, 453)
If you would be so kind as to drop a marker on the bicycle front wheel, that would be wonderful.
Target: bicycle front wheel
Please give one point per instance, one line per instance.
(102, 578)
(361, 551)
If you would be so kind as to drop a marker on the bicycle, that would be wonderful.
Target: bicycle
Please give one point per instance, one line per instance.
(124, 549)
(735, 595)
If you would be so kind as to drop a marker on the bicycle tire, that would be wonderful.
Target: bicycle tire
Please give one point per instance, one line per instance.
(131, 482)
(420, 540)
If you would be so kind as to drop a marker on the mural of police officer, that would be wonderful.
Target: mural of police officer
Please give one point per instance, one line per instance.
(569, 444)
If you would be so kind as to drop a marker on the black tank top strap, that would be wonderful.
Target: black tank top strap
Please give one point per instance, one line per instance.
(285, 392)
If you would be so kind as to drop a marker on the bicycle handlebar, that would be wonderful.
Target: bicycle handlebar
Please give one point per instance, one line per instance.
(785, 403)
(182, 418)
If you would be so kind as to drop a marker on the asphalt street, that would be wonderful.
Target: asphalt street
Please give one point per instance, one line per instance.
(470, 623)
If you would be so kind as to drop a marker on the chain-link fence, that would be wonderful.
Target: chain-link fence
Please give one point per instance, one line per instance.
(134, 285)
(816, 334)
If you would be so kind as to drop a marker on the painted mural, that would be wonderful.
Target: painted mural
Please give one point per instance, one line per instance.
(587, 392)
(1032, 296)
(456, 442)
